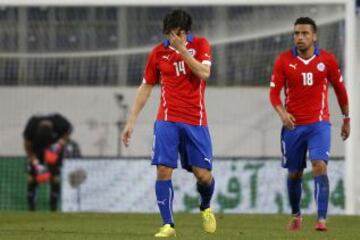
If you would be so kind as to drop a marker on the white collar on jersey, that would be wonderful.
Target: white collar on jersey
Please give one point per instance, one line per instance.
(306, 61)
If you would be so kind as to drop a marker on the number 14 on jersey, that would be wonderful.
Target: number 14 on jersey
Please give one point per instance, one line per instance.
(180, 68)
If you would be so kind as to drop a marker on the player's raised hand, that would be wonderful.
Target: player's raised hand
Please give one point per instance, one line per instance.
(345, 130)
(126, 134)
(288, 120)
(177, 41)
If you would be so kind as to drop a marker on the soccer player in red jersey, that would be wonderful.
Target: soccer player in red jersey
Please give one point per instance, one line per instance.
(181, 65)
(305, 72)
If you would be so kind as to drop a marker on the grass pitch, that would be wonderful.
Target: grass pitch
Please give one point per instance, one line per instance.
(98, 226)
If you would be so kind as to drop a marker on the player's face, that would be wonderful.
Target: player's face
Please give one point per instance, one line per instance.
(179, 33)
(304, 36)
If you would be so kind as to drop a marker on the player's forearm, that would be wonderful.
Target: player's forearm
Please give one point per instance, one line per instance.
(341, 94)
(345, 110)
(342, 98)
(280, 109)
(142, 95)
(274, 97)
(199, 69)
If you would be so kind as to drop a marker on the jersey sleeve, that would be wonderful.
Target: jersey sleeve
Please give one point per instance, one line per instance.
(203, 54)
(277, 82)
(151, 73)
(336, 79)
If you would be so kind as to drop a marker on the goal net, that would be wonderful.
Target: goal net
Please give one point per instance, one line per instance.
(107, 46)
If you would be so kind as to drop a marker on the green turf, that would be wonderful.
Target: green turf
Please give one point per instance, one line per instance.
(39, 226)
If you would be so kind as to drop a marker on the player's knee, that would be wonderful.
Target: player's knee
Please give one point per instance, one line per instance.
(319, 167)
(295, 175)
(203, 177)
(204, 180)
(164, 173)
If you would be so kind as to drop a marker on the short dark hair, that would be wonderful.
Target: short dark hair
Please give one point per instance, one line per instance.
(177, 19)
(306, 20)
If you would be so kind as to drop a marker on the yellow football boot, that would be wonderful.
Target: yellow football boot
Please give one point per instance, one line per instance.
(166, 231)
(209, 220)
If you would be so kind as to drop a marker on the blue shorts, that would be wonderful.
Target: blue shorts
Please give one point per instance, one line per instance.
(190, 143)
(295, 144)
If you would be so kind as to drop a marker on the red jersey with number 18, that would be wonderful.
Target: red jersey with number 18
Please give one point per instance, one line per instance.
(182, 92)
(306, 85)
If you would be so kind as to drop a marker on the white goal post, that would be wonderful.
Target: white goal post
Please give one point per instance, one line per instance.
(352, 151)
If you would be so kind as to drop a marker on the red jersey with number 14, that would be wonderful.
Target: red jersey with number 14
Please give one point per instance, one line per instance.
(182, 92)
(306, 85)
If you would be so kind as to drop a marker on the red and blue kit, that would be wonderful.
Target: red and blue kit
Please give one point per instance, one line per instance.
(306, 85)
(306, 98)
(182, 92)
